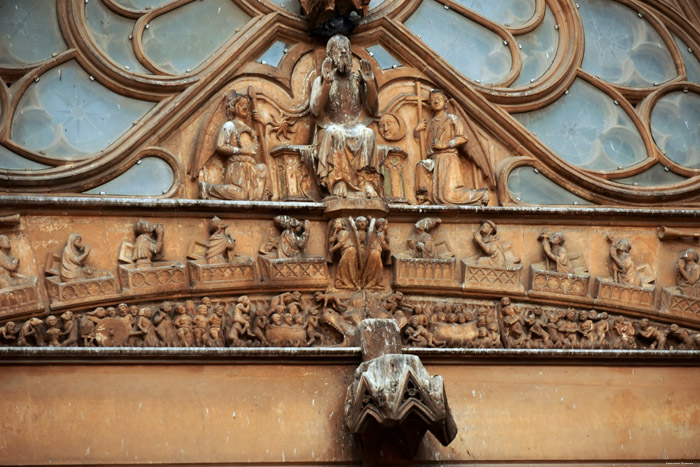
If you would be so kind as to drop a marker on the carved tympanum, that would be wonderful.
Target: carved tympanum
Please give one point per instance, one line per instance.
(343, 103)
(244, 178)
(362, 248)
(393, 400)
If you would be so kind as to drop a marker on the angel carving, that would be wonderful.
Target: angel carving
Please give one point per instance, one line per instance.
(439, 177)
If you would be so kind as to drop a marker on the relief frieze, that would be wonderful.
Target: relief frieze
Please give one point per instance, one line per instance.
(295, 319)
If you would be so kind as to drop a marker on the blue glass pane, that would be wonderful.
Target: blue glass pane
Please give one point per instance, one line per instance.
(472, 49)
(383, 58)
(182, 39)
(675, 125)
(111, 34)
(29, 31)
(529, 186)
(68, 115)
(538, 49)
(11, 161)
(289, 5)
(274, 54)
(586, 128)
(657, 175)
(622, 47)
(150, 177)
(692, 64)
(511, 13)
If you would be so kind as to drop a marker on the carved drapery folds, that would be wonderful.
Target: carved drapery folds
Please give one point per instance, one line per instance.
(18, 293)
(361, 246)
(283, 258)
(71, 281)
(393, 400)
(142, 271)
(351, 278)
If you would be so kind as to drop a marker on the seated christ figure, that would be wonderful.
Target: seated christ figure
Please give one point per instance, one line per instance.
(341, 100)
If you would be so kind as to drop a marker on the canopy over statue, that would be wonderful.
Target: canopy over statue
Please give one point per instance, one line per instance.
(343, 103)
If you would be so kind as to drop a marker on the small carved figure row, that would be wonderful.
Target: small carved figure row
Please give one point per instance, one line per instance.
(326, 319)
(360, 248)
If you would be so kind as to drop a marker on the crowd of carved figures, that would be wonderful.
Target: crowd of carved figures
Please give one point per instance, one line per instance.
(324, 319)
(358, 251)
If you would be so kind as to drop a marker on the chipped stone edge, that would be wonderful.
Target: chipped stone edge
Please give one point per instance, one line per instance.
(337, 355)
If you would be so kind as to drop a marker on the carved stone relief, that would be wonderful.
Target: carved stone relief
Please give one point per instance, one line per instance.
(18, 293)
(429, 262)
(346, 159)
(283, 258)
(332, 319)
(562, 272)
(244, 177)
(628, 283)
(496, 267)
(141, 271)
(214, 264)
(361, 246)
(71, 281)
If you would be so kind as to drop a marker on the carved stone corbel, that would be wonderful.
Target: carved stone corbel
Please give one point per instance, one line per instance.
(393, 400)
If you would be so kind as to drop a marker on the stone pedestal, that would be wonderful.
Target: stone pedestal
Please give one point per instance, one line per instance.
(20, 299)
(306, 272)
(436, 272)
(545, 282)
(153, 278)
(292, 174)
(93, 289)
(674, 303)
(501, 279)
(241, 273)
(628, 296)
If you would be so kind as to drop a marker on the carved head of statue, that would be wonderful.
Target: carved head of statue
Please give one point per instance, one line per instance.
(557, 238)
(4, 243)
(67, 316)
(391, 127)
(75, 241)
(338, 50)
(238, 106)
(690, 255)
(438, 100)
(488, 228)
(51, 321)
(143, 226)
(361, 223)
(624, 245)
(216, 225)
